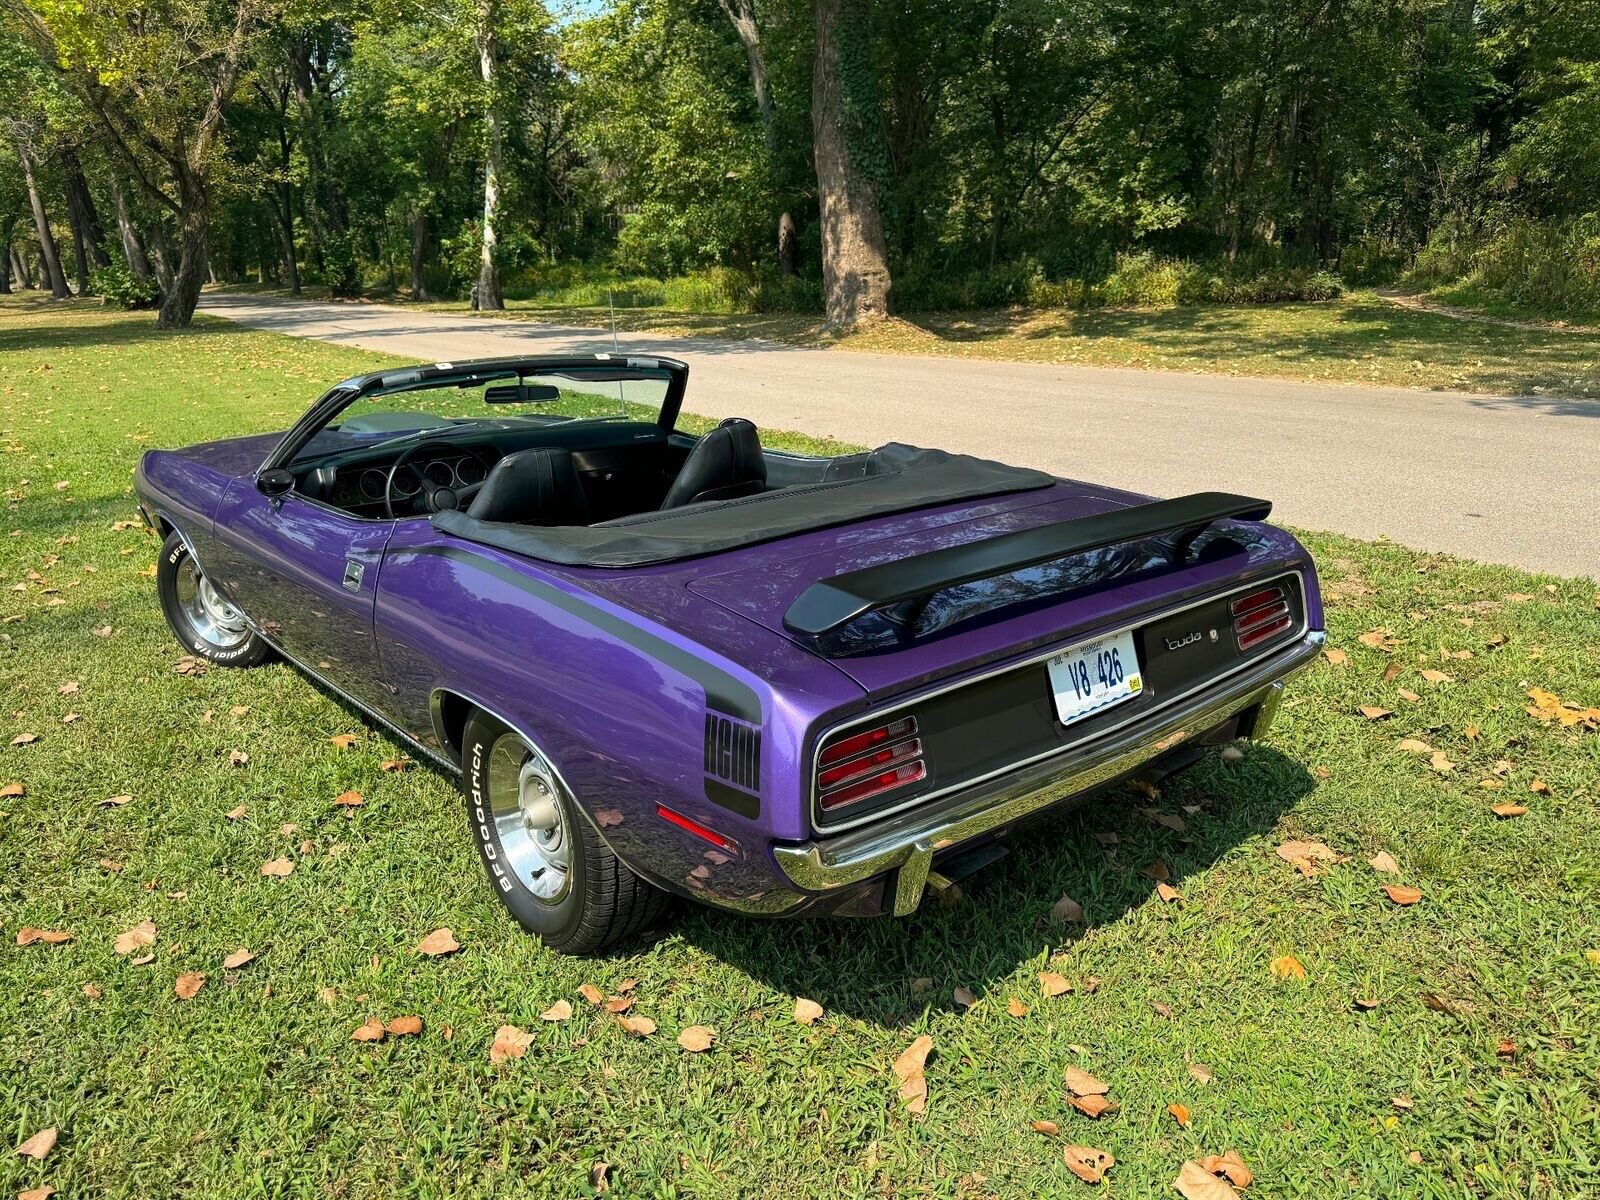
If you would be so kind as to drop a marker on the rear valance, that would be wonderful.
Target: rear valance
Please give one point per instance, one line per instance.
(832, 603)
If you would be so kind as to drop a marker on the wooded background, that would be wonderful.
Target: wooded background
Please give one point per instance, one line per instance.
(836, 156)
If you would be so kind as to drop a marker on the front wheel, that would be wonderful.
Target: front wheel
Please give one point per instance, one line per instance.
(545, 862)
(206, 623)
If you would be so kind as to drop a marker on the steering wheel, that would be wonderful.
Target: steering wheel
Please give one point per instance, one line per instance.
(435, 497)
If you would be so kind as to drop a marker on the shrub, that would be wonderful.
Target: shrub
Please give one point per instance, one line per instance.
(341, 271)
(1551, 269)
(116, 284)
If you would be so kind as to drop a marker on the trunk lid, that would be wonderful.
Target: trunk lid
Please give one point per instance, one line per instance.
(969, 627)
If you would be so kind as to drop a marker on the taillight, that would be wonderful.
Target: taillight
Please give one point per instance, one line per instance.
(862, 765)
(1260, 616)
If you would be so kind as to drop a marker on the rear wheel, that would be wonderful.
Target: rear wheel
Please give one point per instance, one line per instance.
(545, 862)
(205, 622)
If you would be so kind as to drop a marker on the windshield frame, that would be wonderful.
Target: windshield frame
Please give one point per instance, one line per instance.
(444, 374)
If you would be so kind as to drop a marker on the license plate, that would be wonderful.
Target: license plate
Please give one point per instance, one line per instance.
(1092, 676)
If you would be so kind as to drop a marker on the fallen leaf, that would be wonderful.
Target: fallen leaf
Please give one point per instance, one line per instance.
(39, 1145)
(1539, 787)
(394, 764)
(1401, 895)
(239, 958)
(1087, 1163)
(404, 1026)
(370, 1030)
(619, 1004)
(697, 1038)
(1365, 1003)
(1433, 676)
(1403, 1102)
(1081, 1083)
(189, 984)
(1373, 713)
(1168, 893)
(1157, 870)
(1017, 1008)
(1287, 966)
(13, 790)
(638, 1026)
(234, 814)
(349, 799)
(1194, 1182)
(1092, 1106)
(1407, 694)
(1472, 733)
(142, 934)
(1048, 1128)
(1231, 1165)
(278, 868)
(509, 1042)
(1337, 657)
(1232, 754)
(1384, 863)
(1201, 1072)
(1505, 1048)
(559, 1011)
(1505, 811)
(237, 758)
(115, 801)
(1066, 911)
(1391, 671)
(606, 818)
(1052, 983)
(438, 943)
(28, 935)
(964, 997)
(43, 1192)
(25, 739)
(1180, 1114)
(597, 1176)
(1304, 856)
(1414, 746)
(344, 740)
(1440, 763)
(913, 1059)
(592, 994)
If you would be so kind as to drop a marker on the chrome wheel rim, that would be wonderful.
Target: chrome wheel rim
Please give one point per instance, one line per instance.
(530, 818)
(213, 618)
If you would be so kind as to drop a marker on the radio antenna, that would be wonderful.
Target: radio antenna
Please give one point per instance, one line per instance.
(611, 300)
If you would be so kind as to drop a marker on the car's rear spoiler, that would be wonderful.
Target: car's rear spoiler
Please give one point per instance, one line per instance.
(832, 603)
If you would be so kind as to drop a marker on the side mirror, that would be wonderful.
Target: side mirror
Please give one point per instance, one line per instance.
(276, 482)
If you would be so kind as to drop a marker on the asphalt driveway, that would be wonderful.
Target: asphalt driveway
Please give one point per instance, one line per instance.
(1513, 479)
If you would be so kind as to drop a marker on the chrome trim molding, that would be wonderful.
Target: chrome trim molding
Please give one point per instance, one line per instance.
(907, 843)
(1042, 656)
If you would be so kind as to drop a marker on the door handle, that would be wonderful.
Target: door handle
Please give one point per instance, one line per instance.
(353, 571)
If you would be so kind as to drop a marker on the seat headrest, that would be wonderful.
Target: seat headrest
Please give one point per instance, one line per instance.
(533, 487)
(725, 463)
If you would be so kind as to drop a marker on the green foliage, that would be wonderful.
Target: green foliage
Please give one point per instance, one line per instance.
(116, 284)
(1542, 268)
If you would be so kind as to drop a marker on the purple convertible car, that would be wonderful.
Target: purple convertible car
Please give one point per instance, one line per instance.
(663, 663)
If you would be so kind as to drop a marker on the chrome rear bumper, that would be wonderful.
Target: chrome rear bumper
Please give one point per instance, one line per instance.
(906, 843)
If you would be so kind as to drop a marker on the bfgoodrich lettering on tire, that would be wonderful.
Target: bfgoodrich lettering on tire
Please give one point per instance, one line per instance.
(207, 624)
(544, 860)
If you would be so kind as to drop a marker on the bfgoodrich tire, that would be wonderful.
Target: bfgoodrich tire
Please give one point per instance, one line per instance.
(544, 860)
(208, 625)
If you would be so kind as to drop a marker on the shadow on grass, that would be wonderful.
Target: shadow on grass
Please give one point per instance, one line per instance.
(1096, 853)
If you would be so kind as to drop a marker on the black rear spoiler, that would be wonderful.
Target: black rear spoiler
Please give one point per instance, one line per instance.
(832, 603)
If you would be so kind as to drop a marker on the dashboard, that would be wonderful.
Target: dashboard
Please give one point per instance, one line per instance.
(360, 487)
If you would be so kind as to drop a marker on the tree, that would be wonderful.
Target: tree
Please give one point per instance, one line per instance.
(846, 141)
(487, 295)
(741, 15)
(157, 87)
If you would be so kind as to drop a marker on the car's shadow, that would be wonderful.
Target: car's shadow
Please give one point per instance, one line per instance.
(888, 970)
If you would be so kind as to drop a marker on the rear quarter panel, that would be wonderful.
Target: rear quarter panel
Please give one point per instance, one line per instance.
(618, 703)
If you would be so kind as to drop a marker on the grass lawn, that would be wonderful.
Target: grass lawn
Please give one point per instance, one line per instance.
(1473, 1073)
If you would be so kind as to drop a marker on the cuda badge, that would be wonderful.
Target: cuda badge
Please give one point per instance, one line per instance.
(1187, 640)
(732, 759)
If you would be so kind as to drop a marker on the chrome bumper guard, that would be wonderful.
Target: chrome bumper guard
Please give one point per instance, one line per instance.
(907, 842)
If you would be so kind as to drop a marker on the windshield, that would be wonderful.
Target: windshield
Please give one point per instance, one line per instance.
(488, 400)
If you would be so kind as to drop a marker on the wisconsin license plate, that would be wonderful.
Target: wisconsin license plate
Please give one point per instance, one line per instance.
(1092, 676)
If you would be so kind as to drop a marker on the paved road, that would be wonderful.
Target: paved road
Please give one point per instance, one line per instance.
(1497, 478)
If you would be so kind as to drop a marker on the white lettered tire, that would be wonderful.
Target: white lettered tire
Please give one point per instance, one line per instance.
(206, 624)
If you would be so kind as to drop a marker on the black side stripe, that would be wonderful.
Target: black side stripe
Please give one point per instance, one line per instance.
(724, 692)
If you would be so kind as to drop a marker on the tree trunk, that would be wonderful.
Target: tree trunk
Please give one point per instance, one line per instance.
(488, 293)
(19, 269)
(283, 223)
(8, 227)
(178, 301)
(41, 225)
(419, 252)
(855, 261)
(88, 234)
(132, 244)
(742, 16)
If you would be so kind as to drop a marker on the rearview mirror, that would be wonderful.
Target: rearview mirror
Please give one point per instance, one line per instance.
(275, 482)
(521, 393)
